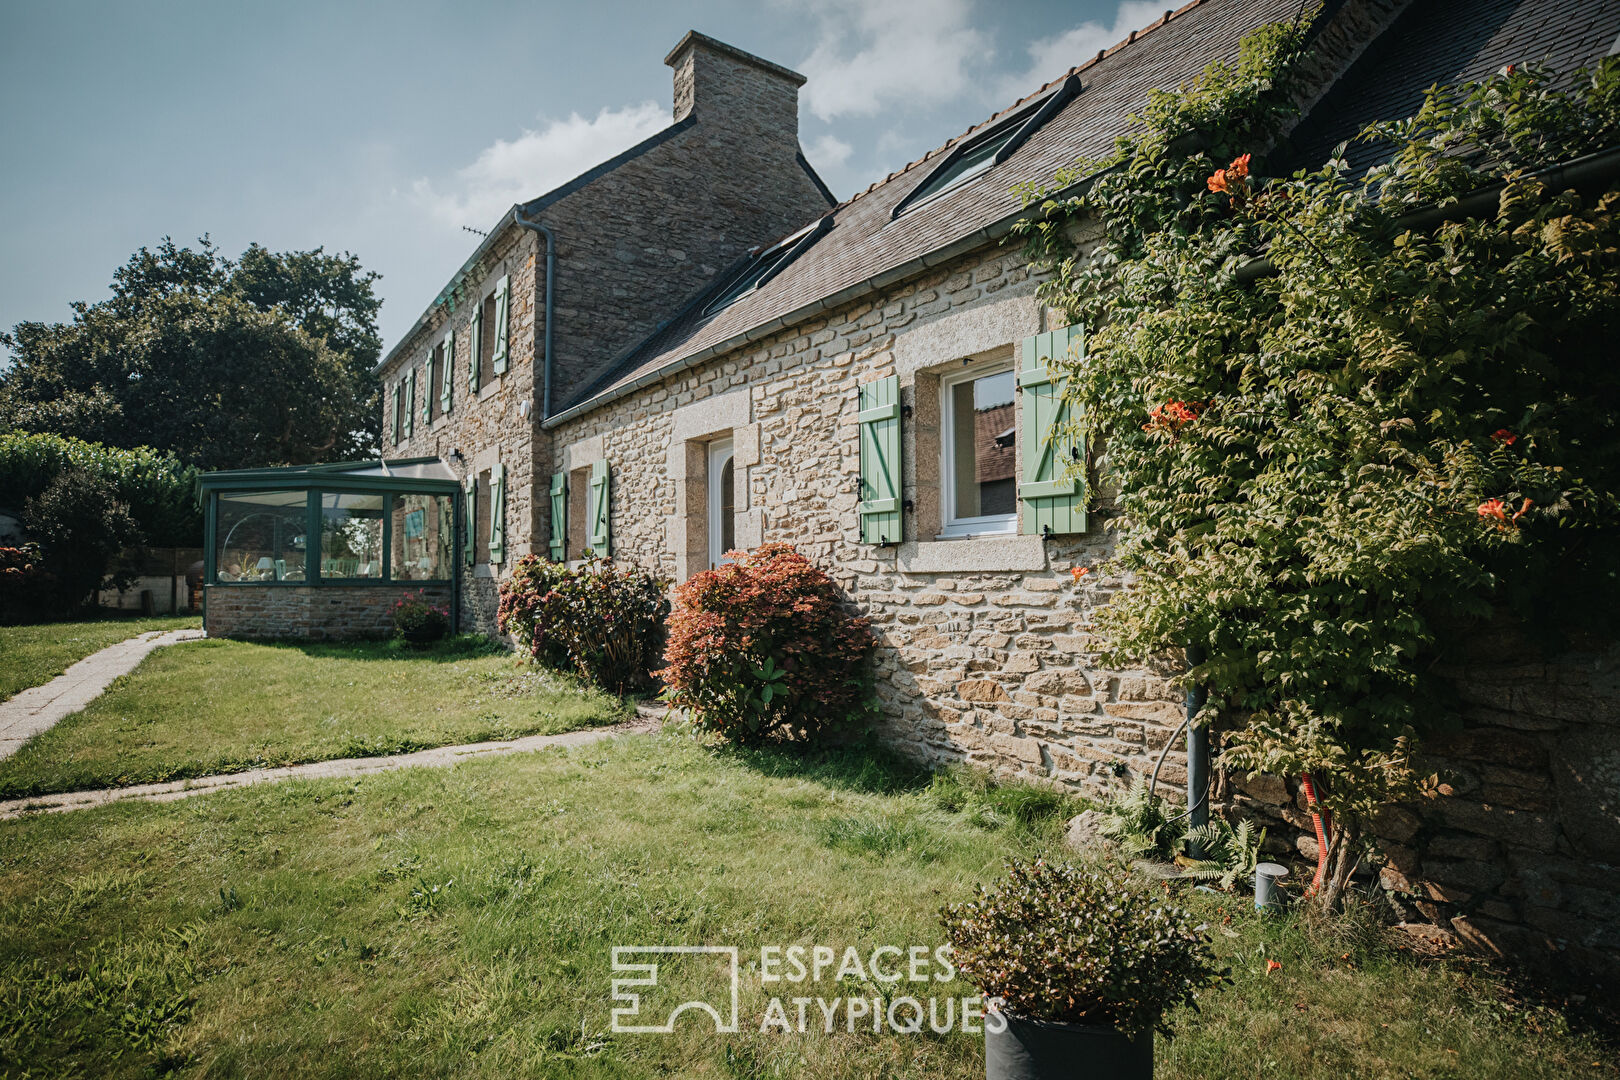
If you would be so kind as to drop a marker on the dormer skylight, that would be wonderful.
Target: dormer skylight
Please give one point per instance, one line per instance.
(988, 148)
(767, 264)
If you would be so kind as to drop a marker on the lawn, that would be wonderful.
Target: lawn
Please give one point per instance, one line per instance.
(459, 923)
(36, 654)
(224, 706)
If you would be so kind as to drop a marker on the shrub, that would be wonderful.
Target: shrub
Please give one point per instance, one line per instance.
(764, 648)
(81, 526)
(602, 620)
(1054, 942)
(159, 490)
(26, 587)
(419, 620)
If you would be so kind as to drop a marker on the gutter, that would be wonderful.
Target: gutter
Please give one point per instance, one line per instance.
(981, 237)
(1589, 171)
(446, 293)
(551, 278)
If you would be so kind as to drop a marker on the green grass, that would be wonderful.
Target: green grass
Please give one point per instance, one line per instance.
(459, 923)
(224, 706)
(34, 655)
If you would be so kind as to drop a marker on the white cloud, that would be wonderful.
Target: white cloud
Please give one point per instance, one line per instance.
(875, 54)
(828, 152)
(1050, 57)
(535, 162)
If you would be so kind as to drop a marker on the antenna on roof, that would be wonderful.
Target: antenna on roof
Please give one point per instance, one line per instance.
(475, 232)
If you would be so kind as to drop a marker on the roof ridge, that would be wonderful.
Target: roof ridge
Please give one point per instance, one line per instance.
(1102, 54)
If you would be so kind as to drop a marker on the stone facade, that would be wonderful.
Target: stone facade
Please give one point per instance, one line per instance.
(325, 612)
(634, 241)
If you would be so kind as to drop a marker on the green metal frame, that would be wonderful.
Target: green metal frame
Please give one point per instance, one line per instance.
(336, 479)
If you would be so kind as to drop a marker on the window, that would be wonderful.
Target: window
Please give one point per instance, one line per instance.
(767, 264)
(481, 526)
(978, 444)
(977, 154)
(722, 502)
(423, 537)
(398, 412)
(486, 341)
(432, 383)
(351, 535)
(263, 536)
(579, 513)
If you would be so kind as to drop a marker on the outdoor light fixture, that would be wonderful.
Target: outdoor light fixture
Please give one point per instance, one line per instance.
(455, 455)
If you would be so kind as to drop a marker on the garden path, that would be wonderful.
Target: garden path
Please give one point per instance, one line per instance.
(39, 708)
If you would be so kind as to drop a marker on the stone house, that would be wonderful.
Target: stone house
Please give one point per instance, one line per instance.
(691, 349)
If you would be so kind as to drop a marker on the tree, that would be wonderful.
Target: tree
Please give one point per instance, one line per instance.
(82, 526)
(1405, 425)
(263, 361)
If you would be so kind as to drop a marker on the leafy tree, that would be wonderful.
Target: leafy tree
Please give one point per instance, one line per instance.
(81, 525)
(263, 361)
(1329, 471)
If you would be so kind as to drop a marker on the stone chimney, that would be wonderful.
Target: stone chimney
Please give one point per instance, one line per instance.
(721, 84)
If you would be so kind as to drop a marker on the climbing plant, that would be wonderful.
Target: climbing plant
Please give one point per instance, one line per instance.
(1347, 415)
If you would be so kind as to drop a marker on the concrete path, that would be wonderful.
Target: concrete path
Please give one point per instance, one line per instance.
(39, 707)
(647, 719)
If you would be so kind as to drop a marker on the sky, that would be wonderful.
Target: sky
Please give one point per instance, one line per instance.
(387, 129)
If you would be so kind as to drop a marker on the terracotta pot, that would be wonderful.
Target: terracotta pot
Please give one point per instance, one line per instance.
(1046, 1050)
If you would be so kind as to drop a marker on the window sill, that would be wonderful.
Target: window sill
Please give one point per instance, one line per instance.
(973, 555)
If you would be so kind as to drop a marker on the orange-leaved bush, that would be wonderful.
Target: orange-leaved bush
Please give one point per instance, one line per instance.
(763, 648)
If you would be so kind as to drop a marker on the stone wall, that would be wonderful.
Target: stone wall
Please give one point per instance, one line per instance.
(325, 612)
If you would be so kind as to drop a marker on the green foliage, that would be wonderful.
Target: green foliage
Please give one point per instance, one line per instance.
(1058, 943)
(993, 804)
(1231, 852)
(1329, 471)
(419, 620)
(82, 528)
(159, 490)
(1139, 824)
(604, 620)
(264, 361)
(763, 648)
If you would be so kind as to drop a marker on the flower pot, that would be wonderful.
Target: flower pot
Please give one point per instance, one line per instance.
(423, 635)
(1045, 1050)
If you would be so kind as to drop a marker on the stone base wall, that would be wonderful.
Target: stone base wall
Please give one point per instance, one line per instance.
(1520, 853)
(329, 612)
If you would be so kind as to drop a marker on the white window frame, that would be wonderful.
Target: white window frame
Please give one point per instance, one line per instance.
(951, 526)
(720, 452)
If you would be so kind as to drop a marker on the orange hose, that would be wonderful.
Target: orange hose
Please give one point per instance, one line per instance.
(1321, 834)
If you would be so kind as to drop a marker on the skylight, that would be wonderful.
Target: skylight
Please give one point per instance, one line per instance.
(992, 147)
(767, 264)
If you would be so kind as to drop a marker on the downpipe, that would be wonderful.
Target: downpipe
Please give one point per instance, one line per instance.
(551, 277)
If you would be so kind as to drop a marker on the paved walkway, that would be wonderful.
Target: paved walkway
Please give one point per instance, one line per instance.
(38, 708)
(647, 719)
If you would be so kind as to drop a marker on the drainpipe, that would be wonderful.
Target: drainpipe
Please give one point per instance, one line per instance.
(1197, 754)
(551, 277)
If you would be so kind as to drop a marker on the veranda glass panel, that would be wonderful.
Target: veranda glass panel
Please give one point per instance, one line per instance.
(351, 535)
(262, 536)
(423, 535)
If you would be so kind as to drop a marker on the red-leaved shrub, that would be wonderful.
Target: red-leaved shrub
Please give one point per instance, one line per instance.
(763, 648)
(603, 620)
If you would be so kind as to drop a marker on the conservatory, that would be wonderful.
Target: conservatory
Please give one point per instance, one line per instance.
(326, 551)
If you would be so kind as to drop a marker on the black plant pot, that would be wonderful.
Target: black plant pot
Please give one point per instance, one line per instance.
(1044, 1050)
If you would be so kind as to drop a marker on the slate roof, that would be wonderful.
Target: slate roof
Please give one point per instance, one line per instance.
(1433, 41)
(1446, 42)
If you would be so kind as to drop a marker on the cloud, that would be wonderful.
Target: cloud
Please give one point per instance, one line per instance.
(829, 152)
(535, 162)
(1050, 57)
(873, 55)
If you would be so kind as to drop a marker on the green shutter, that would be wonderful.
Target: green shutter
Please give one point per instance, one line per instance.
(559, 516)
(447, 372)
(497, 514)
(476, 334)
(600, 518)
(1052, 494)
(469, 540)
(503, 304)
(879, 419)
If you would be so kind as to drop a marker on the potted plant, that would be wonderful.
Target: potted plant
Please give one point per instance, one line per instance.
(420, 621)
(1079, 968)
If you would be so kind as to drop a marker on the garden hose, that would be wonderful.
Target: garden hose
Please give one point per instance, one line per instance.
(1321, 833)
